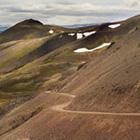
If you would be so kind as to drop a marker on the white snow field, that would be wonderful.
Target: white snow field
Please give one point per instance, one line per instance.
(79, 35)
(89, 33)
(51, 31)
(71, 34)
(81, 50)
(113, 26)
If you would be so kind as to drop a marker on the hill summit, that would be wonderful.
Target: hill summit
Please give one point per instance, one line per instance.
(30, 22)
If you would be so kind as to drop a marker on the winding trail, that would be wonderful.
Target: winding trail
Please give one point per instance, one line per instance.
(61, 108)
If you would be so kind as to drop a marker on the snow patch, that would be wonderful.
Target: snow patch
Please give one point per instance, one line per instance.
(89, 33)
(113, 26)
(79, 35)
(51, 31)
(80, 50)
(103, 45)
(71, 34)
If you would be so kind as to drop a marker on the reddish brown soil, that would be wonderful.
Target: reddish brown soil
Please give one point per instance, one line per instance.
(49, 124)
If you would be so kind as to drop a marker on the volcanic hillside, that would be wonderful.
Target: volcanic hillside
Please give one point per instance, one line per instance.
(58, 83)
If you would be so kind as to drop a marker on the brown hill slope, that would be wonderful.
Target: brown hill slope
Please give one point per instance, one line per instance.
(40, 54)
(98, 91)
(51, 57)
(112, 81)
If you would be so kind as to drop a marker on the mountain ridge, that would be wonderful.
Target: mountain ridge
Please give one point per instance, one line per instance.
(70, 84)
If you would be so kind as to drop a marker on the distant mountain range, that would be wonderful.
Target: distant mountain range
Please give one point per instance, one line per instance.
(2, 28)
(79, 25)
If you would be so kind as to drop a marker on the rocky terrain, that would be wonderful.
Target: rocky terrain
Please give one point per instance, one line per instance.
(60, 83)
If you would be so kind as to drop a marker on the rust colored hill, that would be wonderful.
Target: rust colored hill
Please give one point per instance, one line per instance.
(48, 91)
(111, 82)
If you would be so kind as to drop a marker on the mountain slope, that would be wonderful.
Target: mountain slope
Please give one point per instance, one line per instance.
(51, 54)
(49, 90)
(112, 80)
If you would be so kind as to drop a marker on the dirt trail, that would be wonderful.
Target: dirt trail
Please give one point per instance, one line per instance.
(61, 108)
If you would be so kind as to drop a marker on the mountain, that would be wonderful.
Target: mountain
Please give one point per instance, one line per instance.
(78, 25)
(70, 83)
(3, 28)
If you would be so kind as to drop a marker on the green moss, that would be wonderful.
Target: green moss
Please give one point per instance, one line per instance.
(20, 49)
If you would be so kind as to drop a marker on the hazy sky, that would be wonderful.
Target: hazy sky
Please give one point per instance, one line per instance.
(64, 12)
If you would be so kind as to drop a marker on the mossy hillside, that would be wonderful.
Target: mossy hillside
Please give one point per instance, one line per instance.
(12, 54)
(32, 78)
